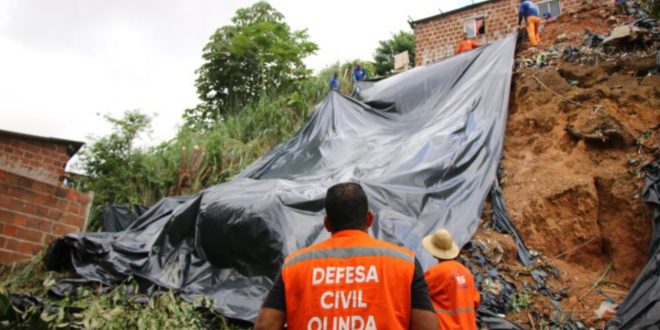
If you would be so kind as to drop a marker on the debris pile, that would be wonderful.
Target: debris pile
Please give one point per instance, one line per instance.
(593, 41)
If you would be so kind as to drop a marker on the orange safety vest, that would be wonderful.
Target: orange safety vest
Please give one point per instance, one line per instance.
(454, 295)
(350, 281)
(466, 45)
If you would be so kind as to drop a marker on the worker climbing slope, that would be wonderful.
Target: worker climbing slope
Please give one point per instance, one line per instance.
(334, 82)
(530, 14)
(359, 73)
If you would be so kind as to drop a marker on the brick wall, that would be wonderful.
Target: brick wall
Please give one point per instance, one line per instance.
(33, 213)
(40, 160)
(437, 38)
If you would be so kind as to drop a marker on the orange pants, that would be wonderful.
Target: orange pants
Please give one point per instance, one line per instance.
(533, 23)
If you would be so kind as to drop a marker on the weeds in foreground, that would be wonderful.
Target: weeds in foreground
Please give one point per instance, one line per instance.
(95, 307)
(521, 300)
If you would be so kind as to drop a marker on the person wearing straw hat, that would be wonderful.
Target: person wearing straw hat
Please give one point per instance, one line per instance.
(451, 285)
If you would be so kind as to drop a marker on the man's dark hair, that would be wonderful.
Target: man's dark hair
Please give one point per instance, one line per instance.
(346, 206)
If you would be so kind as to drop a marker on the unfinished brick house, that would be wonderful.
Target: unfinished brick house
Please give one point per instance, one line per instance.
(35, 205)
(436, 37)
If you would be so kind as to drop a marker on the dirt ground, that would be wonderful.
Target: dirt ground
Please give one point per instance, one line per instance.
(577, 138)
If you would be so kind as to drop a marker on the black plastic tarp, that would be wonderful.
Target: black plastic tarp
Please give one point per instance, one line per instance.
(117, 217)
(494, 322)
(425, 145)
(641, 308)
(502, 223)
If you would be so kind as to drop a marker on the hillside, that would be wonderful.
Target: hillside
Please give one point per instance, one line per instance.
(581, 128)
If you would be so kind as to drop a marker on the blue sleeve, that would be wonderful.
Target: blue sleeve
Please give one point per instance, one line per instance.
(523, 9)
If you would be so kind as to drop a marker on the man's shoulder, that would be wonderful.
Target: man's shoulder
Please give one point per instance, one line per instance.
(459, 267)
(447, 268)
(438, 268)
(303, 251)
(388, 245)
(362, 246)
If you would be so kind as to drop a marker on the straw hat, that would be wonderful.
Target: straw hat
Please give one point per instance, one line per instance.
(441, 245)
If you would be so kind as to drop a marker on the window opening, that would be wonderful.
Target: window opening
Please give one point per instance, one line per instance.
(475, 26)
(551, 7)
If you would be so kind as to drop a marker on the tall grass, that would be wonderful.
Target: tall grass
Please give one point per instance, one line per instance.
(228, 146)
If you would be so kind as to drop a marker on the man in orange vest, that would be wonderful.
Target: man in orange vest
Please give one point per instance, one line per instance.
(351, 280)
(466, 44)
(451, 285)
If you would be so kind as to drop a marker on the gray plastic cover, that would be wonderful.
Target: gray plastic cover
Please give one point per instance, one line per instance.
(424, 144)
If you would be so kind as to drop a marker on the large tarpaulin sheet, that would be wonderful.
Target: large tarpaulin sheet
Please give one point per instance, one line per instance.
(425, 145)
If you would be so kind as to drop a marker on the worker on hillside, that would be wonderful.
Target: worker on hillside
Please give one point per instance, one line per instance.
(530, 14)
(334, 82)
(466, 44)
(451, 285)
(351, 280)
(359, 73)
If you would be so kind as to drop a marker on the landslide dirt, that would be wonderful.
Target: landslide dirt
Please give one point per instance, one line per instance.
(577, 138)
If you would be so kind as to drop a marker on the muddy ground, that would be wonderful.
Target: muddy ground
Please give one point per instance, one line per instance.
(579, 133)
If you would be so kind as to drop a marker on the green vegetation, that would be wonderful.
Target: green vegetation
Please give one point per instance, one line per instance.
(120, 172)
(257, 55)
(521, 300)
(256, 92)
(115, 166)
(384, 58)
(97, 307)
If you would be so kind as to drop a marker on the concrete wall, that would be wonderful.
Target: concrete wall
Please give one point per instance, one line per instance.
(33, 213)
(437, 38)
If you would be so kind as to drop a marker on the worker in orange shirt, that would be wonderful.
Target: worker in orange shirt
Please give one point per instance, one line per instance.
(351, 280)
(530, 14)
(466, 44)
(451, 285)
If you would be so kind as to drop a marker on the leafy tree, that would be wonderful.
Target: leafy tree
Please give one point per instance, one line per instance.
(112, 161)
(256, 55)
(384, 58)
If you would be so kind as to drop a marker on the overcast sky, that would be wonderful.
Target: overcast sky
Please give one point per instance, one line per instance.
(64, 61)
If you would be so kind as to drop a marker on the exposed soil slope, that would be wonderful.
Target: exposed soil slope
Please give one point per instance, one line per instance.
(578, 135)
